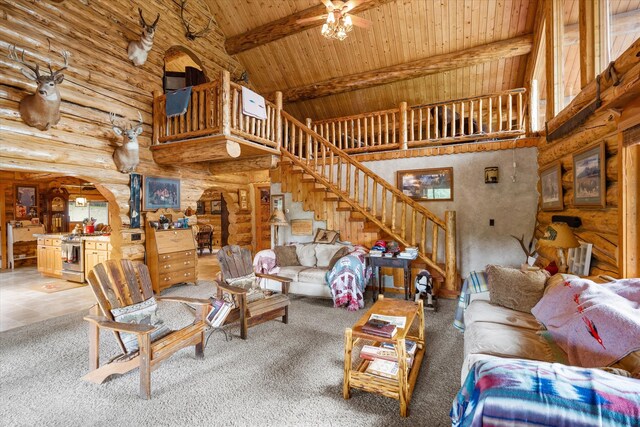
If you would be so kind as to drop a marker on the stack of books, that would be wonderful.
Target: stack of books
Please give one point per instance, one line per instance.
(379, 328)
(410, 252)
(372, 352)
(218, 313)
(383, 368)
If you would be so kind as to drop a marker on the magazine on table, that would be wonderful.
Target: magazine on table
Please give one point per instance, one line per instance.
(398, 321)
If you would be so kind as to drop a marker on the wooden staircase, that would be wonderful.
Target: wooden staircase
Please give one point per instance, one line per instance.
(327, 181)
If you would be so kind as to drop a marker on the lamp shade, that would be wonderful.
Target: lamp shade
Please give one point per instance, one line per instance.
(559, 235)
(278, 218)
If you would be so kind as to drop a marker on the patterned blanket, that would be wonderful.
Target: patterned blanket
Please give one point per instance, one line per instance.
(348, 279)
(475, 283)
(501, 392)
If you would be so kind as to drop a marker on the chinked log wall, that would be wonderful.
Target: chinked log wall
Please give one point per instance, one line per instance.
(100, 79)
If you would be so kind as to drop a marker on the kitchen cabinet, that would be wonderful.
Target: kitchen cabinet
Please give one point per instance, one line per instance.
(95, 252)
(171, 257)
(15, 235)
(49, 255)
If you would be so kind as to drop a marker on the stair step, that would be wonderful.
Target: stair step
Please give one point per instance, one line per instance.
(296, 170)
(331, 198)
(344, 209)
(308, 178)
(319, 189)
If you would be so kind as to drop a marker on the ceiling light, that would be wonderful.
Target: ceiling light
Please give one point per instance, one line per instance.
(337, 26)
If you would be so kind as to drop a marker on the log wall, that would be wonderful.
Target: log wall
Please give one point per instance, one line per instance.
(100, 79)
(599, 225)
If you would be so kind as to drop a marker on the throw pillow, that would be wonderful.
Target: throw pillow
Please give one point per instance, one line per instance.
(343, 251)
(142, 313)
(286, 256)
(306, 254)
(515, 289)
(326, 236)
(324, 253)
(552, 268)
(246, 282)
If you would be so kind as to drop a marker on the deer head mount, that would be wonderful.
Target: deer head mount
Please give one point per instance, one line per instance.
(529, 250)
(139, 49)
(126, 156)
(189, 34)
(42, 108)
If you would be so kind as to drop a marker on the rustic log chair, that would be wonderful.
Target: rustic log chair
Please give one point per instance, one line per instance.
(121, 284)
(205, 238)
(236, 262)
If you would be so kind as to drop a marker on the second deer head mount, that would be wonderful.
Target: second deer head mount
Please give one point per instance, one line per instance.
(42, 108)
(139, 49)
(126, 156)
(189, 34)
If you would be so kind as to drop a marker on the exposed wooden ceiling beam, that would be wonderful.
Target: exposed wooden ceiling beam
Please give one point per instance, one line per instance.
(287, 26)
(436, 64)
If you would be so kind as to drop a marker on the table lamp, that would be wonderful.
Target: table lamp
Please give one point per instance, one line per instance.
(559, 235)
(278, 219)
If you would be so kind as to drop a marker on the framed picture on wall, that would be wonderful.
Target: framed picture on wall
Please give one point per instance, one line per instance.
(216, 207)
(589, 180)
(161, 193)
(551, 187)
(26, 202)
(200, 207)
(265, 195)
(277, 202)
(243, 200)
(427, 184)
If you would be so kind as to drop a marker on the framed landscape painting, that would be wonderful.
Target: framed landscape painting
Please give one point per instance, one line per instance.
(161, 193)
(589, 185)
(427, 184)
(551, 187)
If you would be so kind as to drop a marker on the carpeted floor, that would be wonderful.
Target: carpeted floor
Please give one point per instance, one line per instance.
(281, 375)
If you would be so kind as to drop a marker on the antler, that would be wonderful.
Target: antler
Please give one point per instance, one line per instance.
(144, 24)
(140, 122)
(13, 55)
(112, 119)
(527, 251)
(65, 56)
(192, 35)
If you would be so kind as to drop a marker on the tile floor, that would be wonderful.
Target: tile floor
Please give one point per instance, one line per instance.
(21, 304)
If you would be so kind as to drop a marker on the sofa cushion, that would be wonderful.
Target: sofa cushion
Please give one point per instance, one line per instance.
(286, 256)
(291, 272)
(313, 275)
(483, 311)
(515, 289)
(306, 254)
(324, 253)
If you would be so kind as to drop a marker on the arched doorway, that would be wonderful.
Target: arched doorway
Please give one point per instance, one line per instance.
(182, 68)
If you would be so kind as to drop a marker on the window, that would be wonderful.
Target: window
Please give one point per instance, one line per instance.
(93, 209)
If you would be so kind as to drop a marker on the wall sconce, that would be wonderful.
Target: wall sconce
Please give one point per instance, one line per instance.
(491, 175)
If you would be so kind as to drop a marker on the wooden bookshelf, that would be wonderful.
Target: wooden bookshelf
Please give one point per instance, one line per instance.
(355, 375)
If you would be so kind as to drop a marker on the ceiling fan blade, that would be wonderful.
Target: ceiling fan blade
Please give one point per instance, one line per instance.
(350, 5)
(329, 5)
(312, 19)
(360, 22)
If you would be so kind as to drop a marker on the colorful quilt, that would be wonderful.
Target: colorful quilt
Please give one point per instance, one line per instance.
(475, 283)
(348, 279)
(501, 392)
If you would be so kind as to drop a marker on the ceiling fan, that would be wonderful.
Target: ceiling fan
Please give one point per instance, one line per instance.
(338, 19)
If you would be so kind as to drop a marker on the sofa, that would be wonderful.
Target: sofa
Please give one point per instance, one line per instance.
(324, 270)
(516, 368)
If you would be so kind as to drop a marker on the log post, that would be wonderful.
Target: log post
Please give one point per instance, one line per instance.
(225, 95)
(278, 119)
(450, 285)
(403, 126)
(534, 101)
(157, 117)
(310, 152)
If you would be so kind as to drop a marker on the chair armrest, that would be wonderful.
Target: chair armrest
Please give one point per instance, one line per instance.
(232, 289)
(284, 281)
(134, 328)
(186, 300)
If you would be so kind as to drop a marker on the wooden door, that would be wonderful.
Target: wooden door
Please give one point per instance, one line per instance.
(263, 229)
(57, 261)
(50, 255)
(42, 258)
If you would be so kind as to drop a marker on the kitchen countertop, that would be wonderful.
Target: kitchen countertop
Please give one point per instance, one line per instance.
(51, 236)
(96, 238)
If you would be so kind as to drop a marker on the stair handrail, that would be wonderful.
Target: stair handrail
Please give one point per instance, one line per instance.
(399, 194)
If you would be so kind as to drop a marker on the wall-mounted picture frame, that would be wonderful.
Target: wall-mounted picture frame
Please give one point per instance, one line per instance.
(265, 196)
(26, 206)
(427, 184)
(551, 187)
(491, 175)
(277, 202)
(243, 200)
(301, 227)
(200, 207)
(589, 180)
(216, 207)
(135, 187)
(160, 193)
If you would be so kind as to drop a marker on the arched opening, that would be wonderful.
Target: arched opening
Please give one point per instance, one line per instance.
(182, 68)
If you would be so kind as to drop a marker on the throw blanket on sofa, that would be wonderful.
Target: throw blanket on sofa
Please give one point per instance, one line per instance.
(595, 324)
(348, 278)
(501, 392)
(475, 283)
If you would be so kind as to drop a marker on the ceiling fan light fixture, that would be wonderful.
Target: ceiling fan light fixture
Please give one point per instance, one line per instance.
(347, 22)
(337, 26)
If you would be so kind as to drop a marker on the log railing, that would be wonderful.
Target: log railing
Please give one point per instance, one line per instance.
(216, 108)
(495, 116)
(380, 202)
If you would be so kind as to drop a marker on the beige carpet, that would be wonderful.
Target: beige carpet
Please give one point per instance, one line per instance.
(50, 288)
(283, 375)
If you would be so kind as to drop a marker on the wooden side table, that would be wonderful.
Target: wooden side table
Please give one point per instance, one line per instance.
(394, 262)
(355, 375)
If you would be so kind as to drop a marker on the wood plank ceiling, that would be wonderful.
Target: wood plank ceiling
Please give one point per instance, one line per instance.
(402, 31)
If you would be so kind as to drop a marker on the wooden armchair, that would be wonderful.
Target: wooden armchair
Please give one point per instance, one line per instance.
(205, 238)
(120, 284)
(236, 262)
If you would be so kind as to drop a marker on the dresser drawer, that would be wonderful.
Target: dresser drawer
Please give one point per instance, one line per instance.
(177, 277)
(174, 240)
(102, 246)
(89, 245)
(176, 256)
(176, 264)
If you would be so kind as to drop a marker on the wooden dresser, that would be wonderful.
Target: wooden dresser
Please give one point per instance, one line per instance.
(171, 257)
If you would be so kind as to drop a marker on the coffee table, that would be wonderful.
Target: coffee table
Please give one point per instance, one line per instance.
(355, 375)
